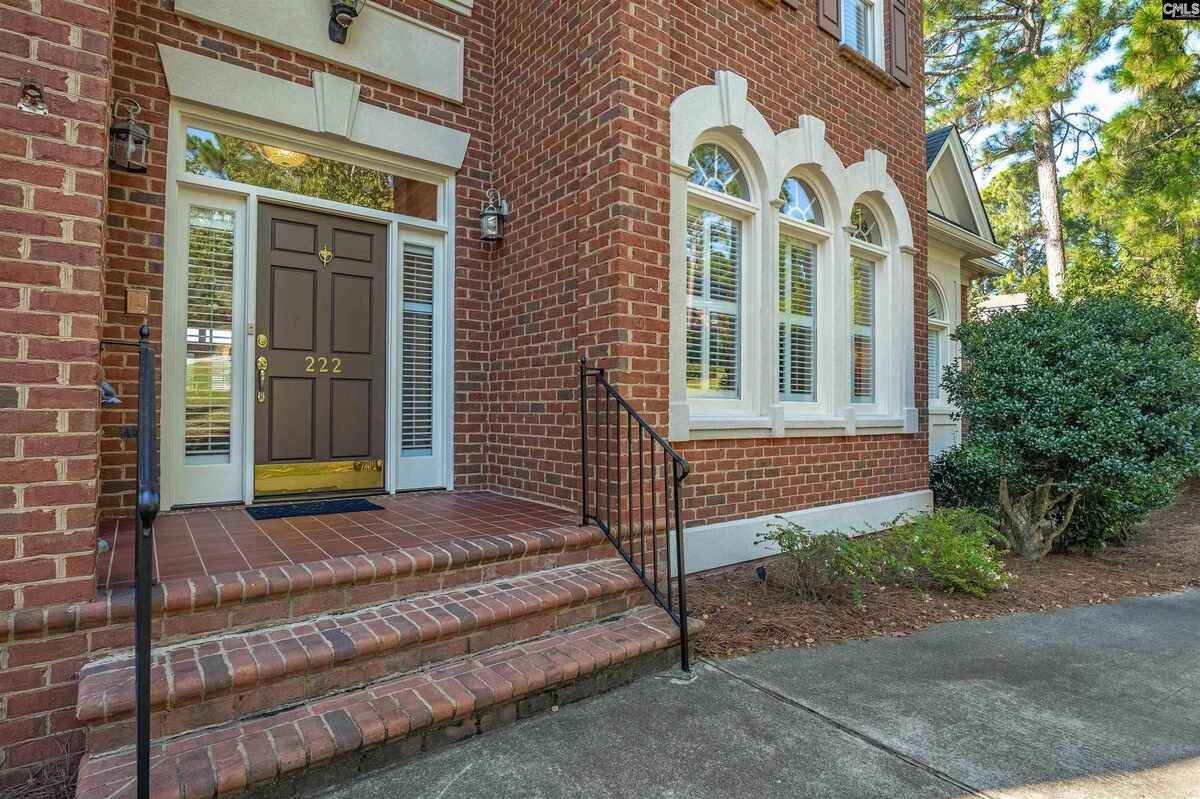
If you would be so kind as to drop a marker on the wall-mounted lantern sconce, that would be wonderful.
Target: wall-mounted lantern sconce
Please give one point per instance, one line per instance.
(33, 97)
(342, 14)
(491, 218)
(127, 140)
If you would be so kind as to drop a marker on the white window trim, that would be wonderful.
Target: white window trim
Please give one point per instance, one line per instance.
(721, 113)
(749, 214)
(943, 328)
(184, 187)
(820, 411)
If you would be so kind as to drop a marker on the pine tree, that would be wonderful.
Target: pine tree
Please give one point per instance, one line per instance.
(1009, 68)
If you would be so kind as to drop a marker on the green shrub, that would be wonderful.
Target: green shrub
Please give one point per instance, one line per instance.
(969, 476)
(1075, 401)
(950, 549)
(820, 566)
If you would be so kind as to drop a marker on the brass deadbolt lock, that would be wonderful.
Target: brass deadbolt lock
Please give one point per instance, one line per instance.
(261, 341)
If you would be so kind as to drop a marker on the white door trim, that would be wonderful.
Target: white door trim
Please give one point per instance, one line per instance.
(183, 187)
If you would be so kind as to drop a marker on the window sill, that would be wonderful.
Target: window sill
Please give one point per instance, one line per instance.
(867, 65)
(733, 427)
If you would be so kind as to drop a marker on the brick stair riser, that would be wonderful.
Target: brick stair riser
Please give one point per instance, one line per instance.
(394, 719)
(241, 701)
(106, 624)
(338, 768)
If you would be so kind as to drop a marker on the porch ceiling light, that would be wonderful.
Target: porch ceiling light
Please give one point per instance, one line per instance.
(342, 14)
(281, 157)
(128, 141)
(491, 218)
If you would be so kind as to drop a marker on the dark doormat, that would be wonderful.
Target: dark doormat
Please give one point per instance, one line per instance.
(286, 509)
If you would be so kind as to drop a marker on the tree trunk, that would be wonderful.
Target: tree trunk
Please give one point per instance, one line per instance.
(1047, 178)
(1031, 529)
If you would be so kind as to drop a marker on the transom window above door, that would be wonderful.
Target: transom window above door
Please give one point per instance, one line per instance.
(229, 157)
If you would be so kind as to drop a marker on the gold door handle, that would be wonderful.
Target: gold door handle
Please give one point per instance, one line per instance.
(261, 363)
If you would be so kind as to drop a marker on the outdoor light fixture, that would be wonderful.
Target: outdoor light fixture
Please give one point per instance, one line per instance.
(491, 218)
(33, 97)
(127, 140)
(342, 14)
(281, 157)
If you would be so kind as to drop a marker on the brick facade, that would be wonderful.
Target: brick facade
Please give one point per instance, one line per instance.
(566, 102)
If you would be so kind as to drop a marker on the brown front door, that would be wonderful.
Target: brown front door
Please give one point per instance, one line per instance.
(319, 353)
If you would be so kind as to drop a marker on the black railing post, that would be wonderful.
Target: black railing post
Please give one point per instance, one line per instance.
(147, 509)
(583, 444)
(676, 468)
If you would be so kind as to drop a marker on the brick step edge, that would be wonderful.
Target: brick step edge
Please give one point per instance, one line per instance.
(255, 752)
(185, 674)
(204, 592)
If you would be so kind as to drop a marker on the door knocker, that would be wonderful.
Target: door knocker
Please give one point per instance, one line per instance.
(326, 255)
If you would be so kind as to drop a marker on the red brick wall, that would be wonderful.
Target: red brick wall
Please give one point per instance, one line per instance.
(792, 69)
(52, 189)
(136, 213)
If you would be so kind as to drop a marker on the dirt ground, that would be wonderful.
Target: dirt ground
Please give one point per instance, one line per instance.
(742, 613)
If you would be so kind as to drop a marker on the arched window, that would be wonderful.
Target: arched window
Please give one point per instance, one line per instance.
(800, 211)
(800, 202)
(938, 334)
(713, 254)
(866, 253)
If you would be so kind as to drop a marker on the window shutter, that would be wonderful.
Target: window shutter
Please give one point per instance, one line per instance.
(796, 314)
(899, 34)
(416, 353)
(829, 17)
(714, 296)
(862, 313)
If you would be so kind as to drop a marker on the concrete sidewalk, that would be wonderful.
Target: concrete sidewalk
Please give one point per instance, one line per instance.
(1094, 702)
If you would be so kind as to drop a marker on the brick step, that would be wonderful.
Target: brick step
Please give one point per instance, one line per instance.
(412, 713)
(222, 679)
(195, 606)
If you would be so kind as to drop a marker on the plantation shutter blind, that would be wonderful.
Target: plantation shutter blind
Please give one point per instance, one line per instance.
(208, 369)
(862, 314)
(797, 275)
(935, 362)
(713, 256)
(900, 67)
(416, 352)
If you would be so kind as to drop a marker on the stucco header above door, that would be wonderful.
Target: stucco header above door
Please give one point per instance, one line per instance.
(383, 43)
(330, 106)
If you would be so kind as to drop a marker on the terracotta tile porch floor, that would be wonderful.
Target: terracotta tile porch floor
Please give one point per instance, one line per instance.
(225, 540)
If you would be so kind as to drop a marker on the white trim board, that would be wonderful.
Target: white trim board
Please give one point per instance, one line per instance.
(330, 106)
(724, 543)
(381, 42)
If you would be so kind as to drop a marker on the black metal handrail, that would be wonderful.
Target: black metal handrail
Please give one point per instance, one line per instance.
(146, 511)
(625, 496)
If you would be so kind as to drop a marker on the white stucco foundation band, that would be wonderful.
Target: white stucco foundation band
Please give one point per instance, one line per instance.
(725, 543)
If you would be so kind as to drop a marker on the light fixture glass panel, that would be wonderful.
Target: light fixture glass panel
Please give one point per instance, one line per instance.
(228, 157)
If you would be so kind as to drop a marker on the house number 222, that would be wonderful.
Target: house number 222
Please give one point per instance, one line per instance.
(322, 364)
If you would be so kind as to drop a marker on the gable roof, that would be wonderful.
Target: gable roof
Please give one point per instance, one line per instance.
(935, 140)
(959, 177)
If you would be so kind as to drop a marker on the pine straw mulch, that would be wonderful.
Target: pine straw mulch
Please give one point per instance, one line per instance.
(743, 614)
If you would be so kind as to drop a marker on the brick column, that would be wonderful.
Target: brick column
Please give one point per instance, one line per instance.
(53, 184)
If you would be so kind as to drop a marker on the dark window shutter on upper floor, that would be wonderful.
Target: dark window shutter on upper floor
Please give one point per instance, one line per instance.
(829, 17)
(899, 33)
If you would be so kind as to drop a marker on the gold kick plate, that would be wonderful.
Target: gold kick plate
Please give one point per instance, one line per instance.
(314, 478)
